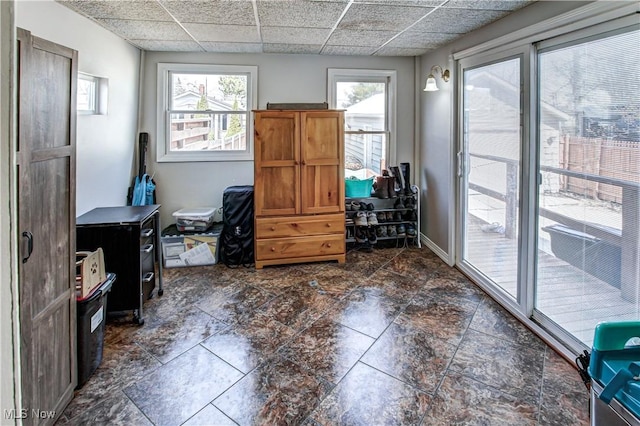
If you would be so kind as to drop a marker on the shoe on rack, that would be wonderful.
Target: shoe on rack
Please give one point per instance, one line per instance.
(391, 181)
(381, 217)
(381, 231)
(411, 230)
(397, 217)
(361, 234)
(381, 187)
(405, 169)
(372, 220)
(371, 207)
(388, 216)
(391, 231)
(355, 206)
(371, 235)
(361, 219)
(398, 204)
(401, 230)
(409, 203)
(411, 216)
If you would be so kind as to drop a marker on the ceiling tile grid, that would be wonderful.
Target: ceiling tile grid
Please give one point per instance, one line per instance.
(329, 27)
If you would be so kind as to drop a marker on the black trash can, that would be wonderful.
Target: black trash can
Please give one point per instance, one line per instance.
(91, 315)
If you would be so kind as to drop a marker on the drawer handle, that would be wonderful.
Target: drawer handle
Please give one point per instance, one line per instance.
(273, 228)
(148, 277)
(146, 232)
(294, 224)
(146, 248)
(328, 244)
(273, 249)
(328, 225)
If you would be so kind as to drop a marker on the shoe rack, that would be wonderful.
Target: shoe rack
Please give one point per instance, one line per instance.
(400, 217)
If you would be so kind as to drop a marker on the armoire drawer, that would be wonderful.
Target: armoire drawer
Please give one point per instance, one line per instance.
(293, 226)
(320, 245)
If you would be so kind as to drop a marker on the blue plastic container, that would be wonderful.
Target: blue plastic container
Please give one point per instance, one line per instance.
(613, 367)
(358, 188)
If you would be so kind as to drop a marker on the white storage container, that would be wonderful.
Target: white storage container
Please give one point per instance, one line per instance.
(196, 219)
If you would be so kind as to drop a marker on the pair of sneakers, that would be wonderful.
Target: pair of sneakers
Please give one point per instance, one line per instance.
(366, 219)
(366, 234)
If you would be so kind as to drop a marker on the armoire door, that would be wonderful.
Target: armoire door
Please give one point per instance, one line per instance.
(277, 165)
(45, 157)
(322, 153)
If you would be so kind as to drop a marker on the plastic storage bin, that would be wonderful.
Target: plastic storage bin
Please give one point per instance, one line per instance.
(614, 364)
(190, 248)
(584, 251)
(197, 219)
(354, 188)
(92, 315)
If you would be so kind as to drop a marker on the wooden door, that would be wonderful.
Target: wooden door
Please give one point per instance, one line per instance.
(322, 158)
(277, 163)
(45, 156)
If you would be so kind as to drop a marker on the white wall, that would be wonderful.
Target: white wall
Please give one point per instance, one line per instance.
(437, 132)
(105, 143)
(281, 78)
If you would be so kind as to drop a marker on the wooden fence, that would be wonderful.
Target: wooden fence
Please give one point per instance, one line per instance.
(600, 157)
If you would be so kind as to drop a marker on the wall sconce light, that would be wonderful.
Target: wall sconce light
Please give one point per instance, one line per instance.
(431, 85)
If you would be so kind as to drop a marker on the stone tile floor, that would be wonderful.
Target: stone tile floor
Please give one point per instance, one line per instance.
(393, 336)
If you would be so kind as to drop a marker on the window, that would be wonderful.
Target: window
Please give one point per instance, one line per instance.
(92, 94)
(205, 112)
(368, 96)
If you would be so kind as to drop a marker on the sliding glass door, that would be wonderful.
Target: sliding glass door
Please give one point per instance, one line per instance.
(588, 198)
(549, 178)
(489, 171)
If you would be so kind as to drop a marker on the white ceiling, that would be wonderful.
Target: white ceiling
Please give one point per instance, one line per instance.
(330, 27)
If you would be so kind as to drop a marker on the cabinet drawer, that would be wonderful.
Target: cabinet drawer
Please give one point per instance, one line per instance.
(298, 226)
(300, 246)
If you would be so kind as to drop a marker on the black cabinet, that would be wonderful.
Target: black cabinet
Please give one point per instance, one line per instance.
(130, 239)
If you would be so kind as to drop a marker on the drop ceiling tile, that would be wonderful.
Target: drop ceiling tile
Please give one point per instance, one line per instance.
(224, 12)
(232, 33)
(290, 35)
(488, 4)
(423, 3)
(348, 50)
(298, 13)
(399, 51)
(415, 39)
(211, 46)
(359, 38)
(309, 49)
(457, 20)
(134, 10)
(145, 30)
(167, 45)
(381, 17)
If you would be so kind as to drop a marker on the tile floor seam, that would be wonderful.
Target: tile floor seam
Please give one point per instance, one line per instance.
(542, 380)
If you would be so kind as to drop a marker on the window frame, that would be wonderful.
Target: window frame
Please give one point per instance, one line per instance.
(389, 77)
(163, 132)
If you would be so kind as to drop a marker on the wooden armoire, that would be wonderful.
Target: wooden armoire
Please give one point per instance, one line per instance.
(299, 186)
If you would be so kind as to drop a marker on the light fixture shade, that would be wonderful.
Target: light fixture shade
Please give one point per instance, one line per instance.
(431, 84)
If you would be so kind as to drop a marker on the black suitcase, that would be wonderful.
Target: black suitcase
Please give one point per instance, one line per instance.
(237, 229)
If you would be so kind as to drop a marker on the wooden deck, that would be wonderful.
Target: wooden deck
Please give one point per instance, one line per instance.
(567, 295)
